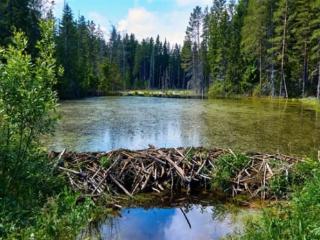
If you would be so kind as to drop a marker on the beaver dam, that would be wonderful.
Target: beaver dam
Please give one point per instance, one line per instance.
(173, 170)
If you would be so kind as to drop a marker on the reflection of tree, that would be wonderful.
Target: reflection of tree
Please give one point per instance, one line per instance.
(100, 230)
(113, 229)
(219, 212)
(92, 231)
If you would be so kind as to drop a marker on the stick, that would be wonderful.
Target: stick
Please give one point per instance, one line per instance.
(120, 186)
(185, 216)
(105, 175)
(69, 170)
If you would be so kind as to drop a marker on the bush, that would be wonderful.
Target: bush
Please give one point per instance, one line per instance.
(61, 218)
(217, 90)
(226, 168)
(27, 105)
(28, 111)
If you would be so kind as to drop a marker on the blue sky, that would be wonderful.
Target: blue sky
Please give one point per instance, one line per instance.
(144, 18)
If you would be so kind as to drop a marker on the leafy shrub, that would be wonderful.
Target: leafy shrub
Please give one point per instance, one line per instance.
(61, 218)
(27, 104)
(226, 168)
(217, 90)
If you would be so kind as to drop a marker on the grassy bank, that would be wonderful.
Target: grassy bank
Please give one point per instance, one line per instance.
(310, 103)
(313, 103)
(162, 93)
(297, 218)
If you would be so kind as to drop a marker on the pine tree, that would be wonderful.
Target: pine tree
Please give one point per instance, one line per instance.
(315, 41)
(83, 64)
(67, 54)
(280, 42)
(254, 37)
(194, 34)
(186, 61)
(218, 42)
(235, 59)
(23, 15)
(301, 33)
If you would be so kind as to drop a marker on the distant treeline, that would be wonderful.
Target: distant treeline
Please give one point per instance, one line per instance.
(93, 66)
(252, 47)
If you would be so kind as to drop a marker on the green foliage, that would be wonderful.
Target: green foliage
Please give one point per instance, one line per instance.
(257, 91)
(110, 80)
(226, 168)
(299, 219)
(21, 15)
(105, 162)
(266, 47)
(94, 66)
(217, 90)
(27, 102)
(28, 111)
(62, 217)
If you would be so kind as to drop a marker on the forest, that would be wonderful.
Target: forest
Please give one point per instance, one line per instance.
(253, 48)
(76, 152)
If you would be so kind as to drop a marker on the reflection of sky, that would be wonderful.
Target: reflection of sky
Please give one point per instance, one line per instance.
(166, 224)
(108, 123)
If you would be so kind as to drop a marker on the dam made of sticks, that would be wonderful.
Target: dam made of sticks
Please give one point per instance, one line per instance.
(172, 170)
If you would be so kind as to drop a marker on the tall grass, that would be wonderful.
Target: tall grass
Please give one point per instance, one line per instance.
(297, 219)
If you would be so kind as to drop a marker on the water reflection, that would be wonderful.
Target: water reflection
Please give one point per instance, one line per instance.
(195, 222)
(103, 124)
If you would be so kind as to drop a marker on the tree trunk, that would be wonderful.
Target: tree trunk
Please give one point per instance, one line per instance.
(272, 81)
(283, 77)
(318, 87)
(260, 67)
(305, 69)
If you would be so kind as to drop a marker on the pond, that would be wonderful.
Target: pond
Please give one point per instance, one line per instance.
(193, 222)
(107, 123)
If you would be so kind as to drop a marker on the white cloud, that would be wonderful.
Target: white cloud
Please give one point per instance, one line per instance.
(193, 2)
(101, 21)
(144, 23)
(58, 7)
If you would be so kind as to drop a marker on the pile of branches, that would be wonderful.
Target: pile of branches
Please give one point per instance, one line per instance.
(134, 172)
(255, 179)
(165, 170)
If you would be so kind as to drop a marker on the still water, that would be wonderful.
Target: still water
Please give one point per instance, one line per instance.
(196, 222)
(106, 123)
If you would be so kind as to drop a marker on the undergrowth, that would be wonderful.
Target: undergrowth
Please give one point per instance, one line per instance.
(298, 218)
